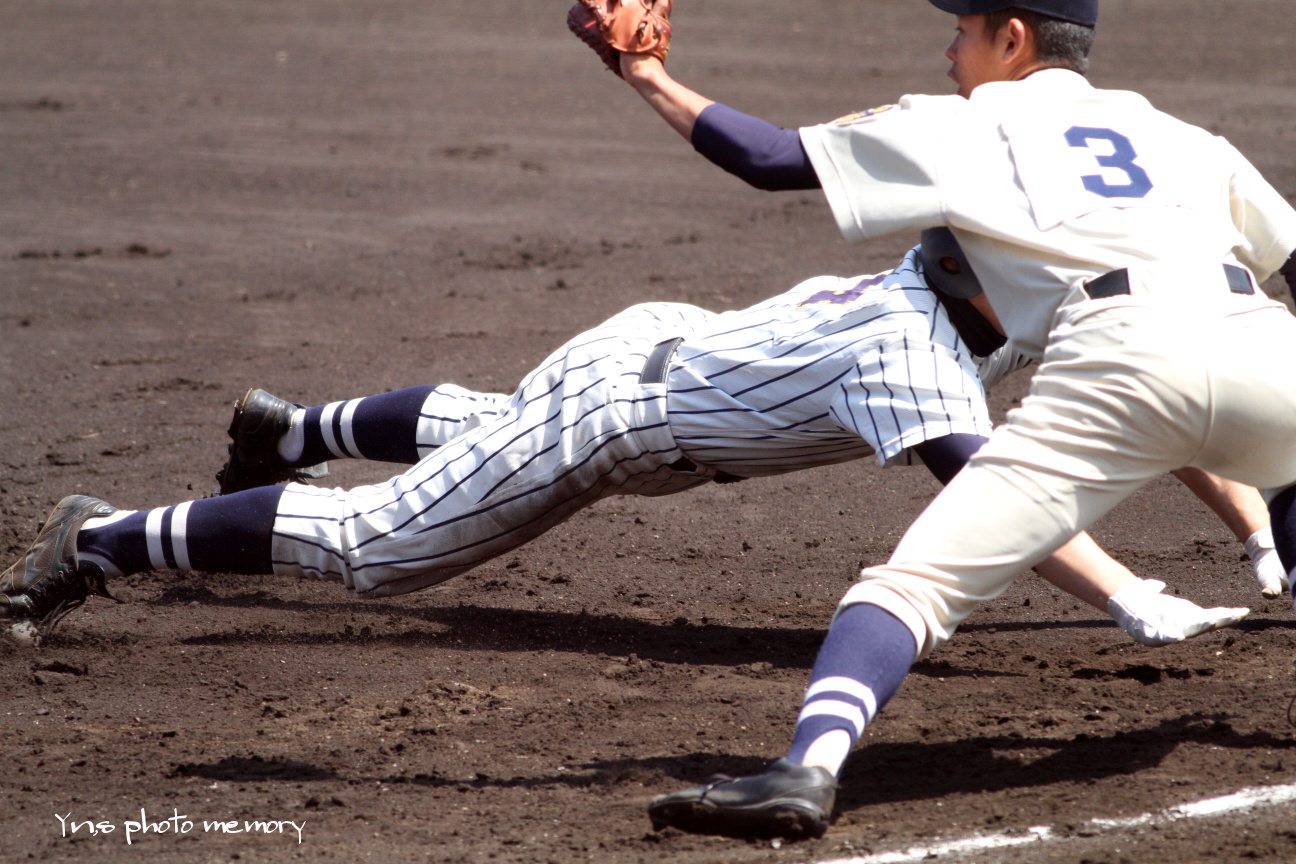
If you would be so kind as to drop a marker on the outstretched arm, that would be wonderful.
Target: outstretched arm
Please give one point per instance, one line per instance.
(1241, 507)
(1082, 569)
(763, 155)
(678, 105)
(1245, 513)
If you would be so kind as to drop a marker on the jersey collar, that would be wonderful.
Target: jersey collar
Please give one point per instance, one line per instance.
(1060, 81)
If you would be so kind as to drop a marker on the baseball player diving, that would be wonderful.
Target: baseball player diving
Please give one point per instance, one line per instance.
(661, 398)
(1120, 247)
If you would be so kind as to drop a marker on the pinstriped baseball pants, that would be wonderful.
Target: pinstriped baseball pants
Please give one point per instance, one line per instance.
(579, 428)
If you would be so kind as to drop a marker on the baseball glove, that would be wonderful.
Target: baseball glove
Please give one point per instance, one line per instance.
(615, 27)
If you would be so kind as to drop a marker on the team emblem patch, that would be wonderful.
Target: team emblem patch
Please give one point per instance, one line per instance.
(844, 295)
(864, 116)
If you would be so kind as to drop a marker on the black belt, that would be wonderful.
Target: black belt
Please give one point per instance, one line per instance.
(654, 372)
(1116, 283)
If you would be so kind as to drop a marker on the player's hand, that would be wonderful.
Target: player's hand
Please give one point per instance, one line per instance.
(1270, 574)
(612, 28)
(1156, 619)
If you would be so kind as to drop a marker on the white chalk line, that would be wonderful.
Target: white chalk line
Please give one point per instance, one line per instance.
(1244, 799)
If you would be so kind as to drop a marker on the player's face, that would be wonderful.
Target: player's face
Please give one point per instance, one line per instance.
(977, 57)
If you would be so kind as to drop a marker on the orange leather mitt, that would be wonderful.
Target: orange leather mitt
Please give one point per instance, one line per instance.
(615, 27)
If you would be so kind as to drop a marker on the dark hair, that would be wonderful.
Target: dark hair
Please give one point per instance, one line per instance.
(1058, 43)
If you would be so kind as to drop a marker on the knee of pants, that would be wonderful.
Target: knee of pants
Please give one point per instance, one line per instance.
(309, 538)
(930, 601)
(997, 518)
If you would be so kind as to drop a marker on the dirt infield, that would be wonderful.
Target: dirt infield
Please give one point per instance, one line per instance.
(330, 199)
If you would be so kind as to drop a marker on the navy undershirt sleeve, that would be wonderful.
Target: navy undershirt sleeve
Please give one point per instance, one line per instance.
(760, 153)
(1288, 269)
(1282, 513)
(946, 456)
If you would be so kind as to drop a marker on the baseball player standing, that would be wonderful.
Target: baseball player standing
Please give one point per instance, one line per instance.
(1117, 244)
(660, 398)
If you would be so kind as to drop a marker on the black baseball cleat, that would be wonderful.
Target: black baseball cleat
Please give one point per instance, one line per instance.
(789, 801)
(50, 581)
(260, 420)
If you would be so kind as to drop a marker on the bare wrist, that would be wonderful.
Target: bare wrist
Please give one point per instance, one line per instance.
(638, 69)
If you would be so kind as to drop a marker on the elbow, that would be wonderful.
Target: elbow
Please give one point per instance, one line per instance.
(766, 181)
(778, 177)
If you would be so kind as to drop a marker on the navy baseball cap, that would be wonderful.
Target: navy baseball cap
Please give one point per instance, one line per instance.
(1076, 11)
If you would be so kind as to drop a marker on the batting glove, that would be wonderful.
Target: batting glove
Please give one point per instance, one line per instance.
(1156, 619)
(1270, 574)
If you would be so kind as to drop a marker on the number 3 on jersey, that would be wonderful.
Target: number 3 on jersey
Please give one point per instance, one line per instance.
(1121, 158)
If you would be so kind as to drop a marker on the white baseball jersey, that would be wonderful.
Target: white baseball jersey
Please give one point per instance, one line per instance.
(830, 371)
(1048, 182)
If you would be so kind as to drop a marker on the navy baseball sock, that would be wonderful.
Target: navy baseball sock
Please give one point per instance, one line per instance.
(382, 428)
(1282, 514)
(864, 657)
(226, 534)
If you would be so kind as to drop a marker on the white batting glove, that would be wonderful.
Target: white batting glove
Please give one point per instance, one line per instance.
(1270, 574)
(1156, 619)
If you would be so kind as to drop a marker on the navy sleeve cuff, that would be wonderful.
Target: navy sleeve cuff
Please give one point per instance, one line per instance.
(947, 455)
(762, 154)
(1288, 271)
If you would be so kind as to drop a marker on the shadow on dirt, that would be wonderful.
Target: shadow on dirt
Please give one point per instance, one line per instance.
(254, 769)
(498, 629)
(495, 629)
(908, 771)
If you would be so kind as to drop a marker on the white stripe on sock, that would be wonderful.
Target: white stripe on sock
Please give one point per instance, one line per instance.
(153, 537)
(849, 686)
(179, 542)
(326, 429)
(348, 436)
